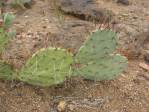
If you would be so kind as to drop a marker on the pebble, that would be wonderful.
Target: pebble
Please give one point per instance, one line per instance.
(61, 106)
(26, 16)
(71, 107)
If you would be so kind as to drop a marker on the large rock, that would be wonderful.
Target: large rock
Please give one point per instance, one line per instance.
(85, 9)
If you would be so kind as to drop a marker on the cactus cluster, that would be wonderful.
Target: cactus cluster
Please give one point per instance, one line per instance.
(97, 59)
(47, 67)
(50, 66)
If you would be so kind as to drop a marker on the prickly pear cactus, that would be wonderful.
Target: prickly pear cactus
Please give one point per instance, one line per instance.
(6, 71)
(47, 67)
(3, 39)
(97, 59)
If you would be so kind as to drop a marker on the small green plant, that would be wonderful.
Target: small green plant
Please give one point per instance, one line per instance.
(6, 71)
(4, 34)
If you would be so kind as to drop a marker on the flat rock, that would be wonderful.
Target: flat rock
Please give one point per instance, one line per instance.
(85, 9)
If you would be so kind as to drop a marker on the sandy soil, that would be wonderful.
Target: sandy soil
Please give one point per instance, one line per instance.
(43, 26)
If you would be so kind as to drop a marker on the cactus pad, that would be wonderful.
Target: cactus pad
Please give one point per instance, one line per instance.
(3, 39)
(100, 44)
(97, 58)
(6, 71)
(8, 19)
(47, 67)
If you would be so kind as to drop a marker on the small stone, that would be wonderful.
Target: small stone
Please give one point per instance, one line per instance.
(28, 3)
(124, 2)
(144, 66)
(26, 16)
(61, 106)
(146, 56)
(44, 27)
(71, 107)
(125, 15)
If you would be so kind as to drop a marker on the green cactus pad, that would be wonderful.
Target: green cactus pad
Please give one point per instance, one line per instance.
(3, 39)
(47, 67)
(96, 58)
(100, 44)
(6, 71)
(104, 69)
(8, 19)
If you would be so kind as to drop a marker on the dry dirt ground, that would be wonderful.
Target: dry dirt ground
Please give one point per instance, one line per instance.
(43, 25)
